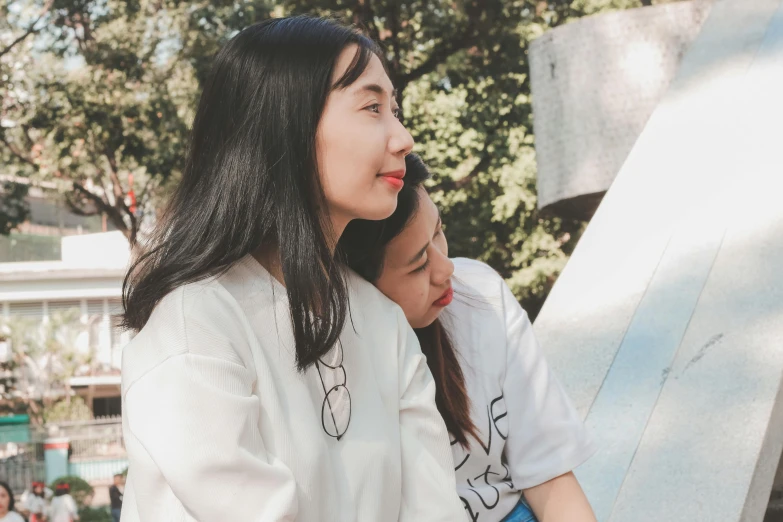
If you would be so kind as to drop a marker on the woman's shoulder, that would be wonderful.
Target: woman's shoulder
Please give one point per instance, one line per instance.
(477, 278)
(205, 303)
(200, 318)
(364, 296)
(478, 300)
(12, 516)
(371, 312)
(483, 288)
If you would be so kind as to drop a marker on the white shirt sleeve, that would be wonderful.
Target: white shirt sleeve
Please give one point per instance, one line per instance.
(196, 417)
(429, 490)
(546, 436)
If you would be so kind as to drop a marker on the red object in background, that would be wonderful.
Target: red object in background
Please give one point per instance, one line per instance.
(132, 201)
(131, 195)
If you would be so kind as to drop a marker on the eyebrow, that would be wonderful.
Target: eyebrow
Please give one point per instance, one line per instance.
(420, 253)
(377, 89)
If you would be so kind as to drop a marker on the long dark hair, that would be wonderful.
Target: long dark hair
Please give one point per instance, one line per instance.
(363, 245)
(251, 178)
(7, 488)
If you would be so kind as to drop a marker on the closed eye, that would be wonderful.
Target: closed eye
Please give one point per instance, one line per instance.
(422, 268)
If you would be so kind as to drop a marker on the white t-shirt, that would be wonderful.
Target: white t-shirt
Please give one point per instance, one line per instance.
(12, 516)
(530, 432)
(33, 503)
(63, 509)
(220, 425)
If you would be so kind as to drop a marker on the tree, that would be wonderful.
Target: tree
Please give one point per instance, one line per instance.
(13, 207)
(18, 28)
(36, 371)
(105, 112)
(67, 410)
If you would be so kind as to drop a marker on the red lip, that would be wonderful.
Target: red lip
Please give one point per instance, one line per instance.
(393, 178)
(446, 298)
(399, 174)
(397, 183)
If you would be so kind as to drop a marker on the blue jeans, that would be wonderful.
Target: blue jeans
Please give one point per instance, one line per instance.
(521, 513)
(115, 515)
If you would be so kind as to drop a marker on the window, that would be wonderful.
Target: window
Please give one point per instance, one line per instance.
(106, 406)
(69, 311)
(33, 309)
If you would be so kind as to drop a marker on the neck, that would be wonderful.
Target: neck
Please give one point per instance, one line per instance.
(338, 227)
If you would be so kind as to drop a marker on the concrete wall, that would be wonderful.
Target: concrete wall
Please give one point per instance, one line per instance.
(595, 83)
(665, 326)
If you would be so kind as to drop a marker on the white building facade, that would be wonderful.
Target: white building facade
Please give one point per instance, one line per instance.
(86, 284)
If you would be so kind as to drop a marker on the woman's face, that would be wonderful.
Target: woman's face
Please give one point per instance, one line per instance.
(416, 269)
(5, 500)
(361, 145)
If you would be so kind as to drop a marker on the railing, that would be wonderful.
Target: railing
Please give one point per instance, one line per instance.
(97, 442)
(21, 462)
(96, 452)
(97, 449)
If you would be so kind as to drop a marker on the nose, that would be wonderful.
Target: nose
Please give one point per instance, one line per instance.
(442, 267)
(401, 141)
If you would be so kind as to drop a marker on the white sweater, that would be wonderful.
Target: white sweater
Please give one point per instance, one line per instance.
(220, 426)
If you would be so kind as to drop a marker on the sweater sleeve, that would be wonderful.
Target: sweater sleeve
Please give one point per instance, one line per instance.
(196, 417)
(429, 490)
(546, 436)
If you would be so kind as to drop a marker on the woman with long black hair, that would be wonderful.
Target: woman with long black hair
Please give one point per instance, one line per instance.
(515, 436)
(267, 383)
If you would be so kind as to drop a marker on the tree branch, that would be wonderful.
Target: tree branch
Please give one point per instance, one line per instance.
(478, 169)
(99, 204)
(13, 44)
(448, 48)
(16, 152)
(30, 30)
(364, 16)
(394, 28)
(437, 57)
(26, 134)
(102, 206)
(78, 210)
(119, 193)
(143, 194)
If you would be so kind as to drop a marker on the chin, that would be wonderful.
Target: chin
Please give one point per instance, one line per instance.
(380, 210)
(424, 322)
